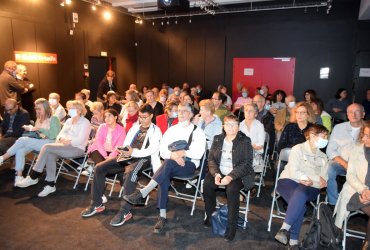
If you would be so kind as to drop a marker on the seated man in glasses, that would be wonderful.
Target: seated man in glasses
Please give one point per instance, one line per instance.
(176, 163)
(142, 144)
(12, 126)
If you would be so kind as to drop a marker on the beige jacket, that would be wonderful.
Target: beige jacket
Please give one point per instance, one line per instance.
(356, 174)
(303, 162)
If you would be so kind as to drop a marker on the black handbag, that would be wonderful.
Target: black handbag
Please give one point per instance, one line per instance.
(181, 144)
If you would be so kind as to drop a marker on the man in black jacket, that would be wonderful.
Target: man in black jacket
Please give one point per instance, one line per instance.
(12, 127)
(107, 84)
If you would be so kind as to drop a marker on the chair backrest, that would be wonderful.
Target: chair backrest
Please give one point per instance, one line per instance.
(284, 154)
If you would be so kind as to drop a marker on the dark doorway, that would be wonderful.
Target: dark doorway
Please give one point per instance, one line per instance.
(98, 67)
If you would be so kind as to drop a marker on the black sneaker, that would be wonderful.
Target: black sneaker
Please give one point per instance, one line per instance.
(282, 236)
(159, 226)
(207, 222)
(120, 218)
(90, 211)
(136, 198)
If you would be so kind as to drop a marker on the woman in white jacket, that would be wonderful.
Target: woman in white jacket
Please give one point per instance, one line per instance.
(300, 182)
(355, 193)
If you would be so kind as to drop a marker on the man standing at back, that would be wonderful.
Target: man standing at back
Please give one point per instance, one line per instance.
(9, 86)
(27, 98)
(107, 84)
(342, 140)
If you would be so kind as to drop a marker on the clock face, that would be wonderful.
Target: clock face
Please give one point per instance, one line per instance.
(167, 2)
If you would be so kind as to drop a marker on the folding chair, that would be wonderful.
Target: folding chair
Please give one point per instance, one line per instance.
(350, 232)
(265, 161)
(197, 195)
(33, 161)
(283, 157)
(242, 210)
(68, 166)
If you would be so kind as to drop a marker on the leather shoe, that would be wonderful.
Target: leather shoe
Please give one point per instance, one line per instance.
(229, 234)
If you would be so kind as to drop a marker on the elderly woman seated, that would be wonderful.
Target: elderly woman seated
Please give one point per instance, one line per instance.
(169, 118)
(254, 129)
(130, 115)
(229, 161)
(355, 194)
(301, 180)
(70, 143)
(46, 127)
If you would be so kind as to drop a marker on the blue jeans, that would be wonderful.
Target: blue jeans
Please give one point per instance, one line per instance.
(163, 177)
(296, 195)
(334, 169)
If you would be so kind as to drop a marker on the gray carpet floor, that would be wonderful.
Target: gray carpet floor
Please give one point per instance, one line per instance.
(54, 222)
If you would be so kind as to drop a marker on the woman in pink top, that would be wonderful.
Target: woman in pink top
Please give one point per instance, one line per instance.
(109, 136)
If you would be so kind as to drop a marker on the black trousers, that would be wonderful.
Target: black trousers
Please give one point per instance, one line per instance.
(232, 194)
(111, 167)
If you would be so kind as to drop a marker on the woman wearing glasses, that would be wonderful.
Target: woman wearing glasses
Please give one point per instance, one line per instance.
(229, 160)
(293, 133)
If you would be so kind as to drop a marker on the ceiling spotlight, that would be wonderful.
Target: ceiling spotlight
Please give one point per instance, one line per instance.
(68, 2)
(176, 20)
(93, 7)
(168, 21)
(107, 15)
(162, 23)
(141, 21)
(62, 4)
(190, 19)
(153, 23)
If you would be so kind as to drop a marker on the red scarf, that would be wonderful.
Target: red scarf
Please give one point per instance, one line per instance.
(130, 120)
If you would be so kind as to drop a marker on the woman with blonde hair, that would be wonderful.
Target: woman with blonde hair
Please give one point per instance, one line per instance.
(46, 130)
(302, 118)
(71, 142)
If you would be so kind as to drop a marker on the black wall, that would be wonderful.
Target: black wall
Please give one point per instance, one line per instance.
(203, 51)
(42, 26)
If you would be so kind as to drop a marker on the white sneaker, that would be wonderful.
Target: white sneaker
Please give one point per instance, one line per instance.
(27, 182)
(47, 190)
(18, 179)
(190, 186)
(87, 171)
(104, 198)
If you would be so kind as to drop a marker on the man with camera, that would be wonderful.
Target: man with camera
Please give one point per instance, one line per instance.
(178, 161)
(140, 149)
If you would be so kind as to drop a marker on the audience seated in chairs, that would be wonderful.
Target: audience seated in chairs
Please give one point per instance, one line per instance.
(242, 100)
(341, 142)
(162, 97)
(229, 161)
(142, 145)
(253, 128)
(83, 99)
(109, 136)
(45, 131)
(169, 118)
(131, 95)
(176, 163)
(293, 132)
(284, 116)
(157, 106)
(12, 125)
(355, 194)
(97, 119)
(301, 180)
(322, 117)
(309, 95)
(131, 115)
(87, 94)
(71, 142)
(221, 110)
(337, 106)
(111, 102)
(278, 101)
(56, 107)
